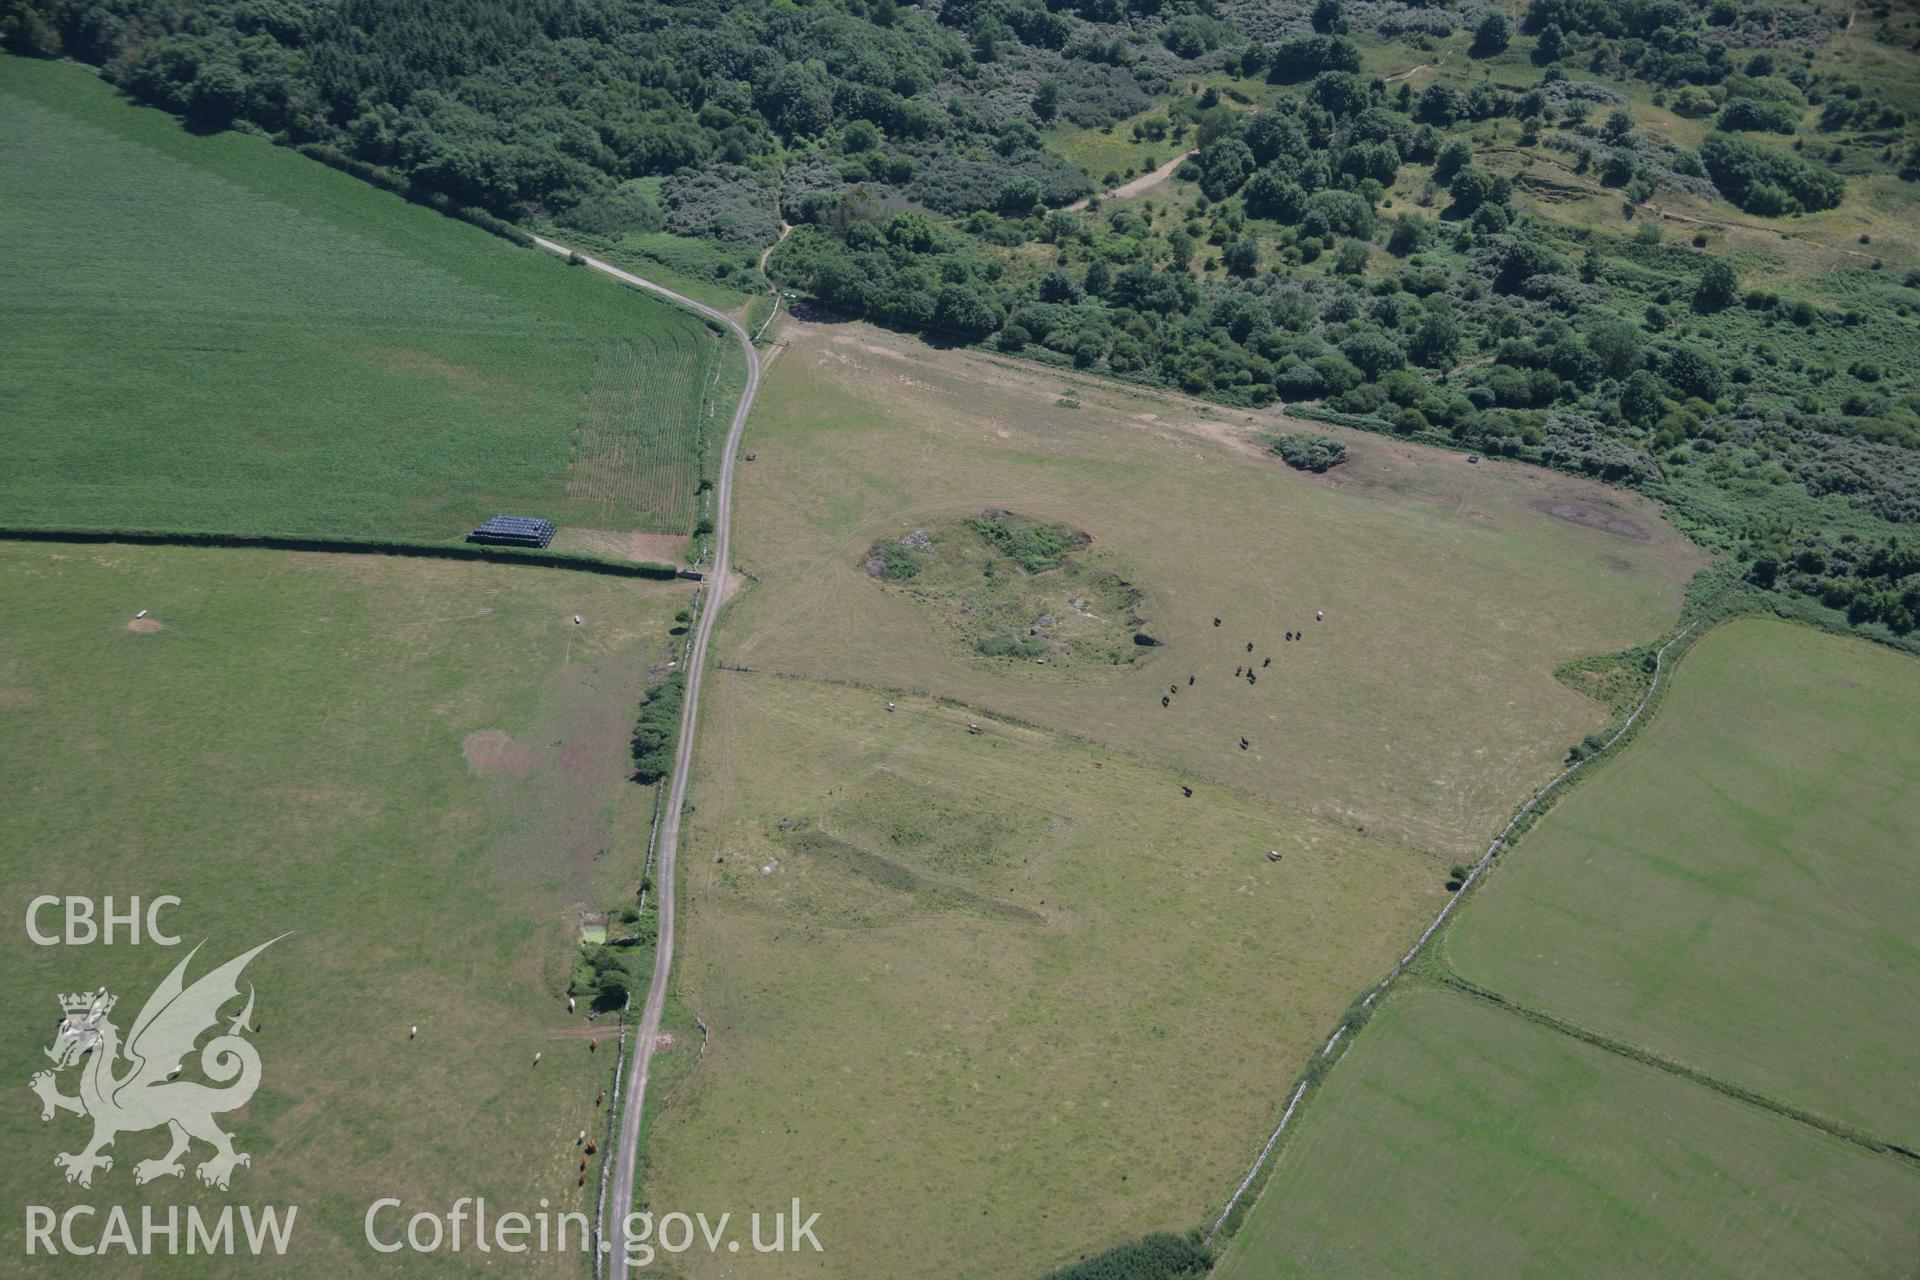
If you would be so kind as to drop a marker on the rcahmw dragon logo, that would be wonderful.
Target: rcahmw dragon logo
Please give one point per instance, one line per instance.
(133, 1086)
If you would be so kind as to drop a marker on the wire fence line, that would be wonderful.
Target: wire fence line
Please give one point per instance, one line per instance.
(1473, 875)
(606, 1163)
(619, 1073)
(769, 320)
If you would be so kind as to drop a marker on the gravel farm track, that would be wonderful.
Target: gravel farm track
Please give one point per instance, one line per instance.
(633, 1104)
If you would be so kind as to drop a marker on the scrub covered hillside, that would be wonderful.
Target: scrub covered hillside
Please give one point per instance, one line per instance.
(1585, 243)
(674, 130)
(1670, 243)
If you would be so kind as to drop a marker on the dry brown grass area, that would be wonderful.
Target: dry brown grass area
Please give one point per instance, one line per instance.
(1423, 707)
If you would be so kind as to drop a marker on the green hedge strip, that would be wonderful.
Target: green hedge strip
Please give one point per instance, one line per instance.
(362, 546)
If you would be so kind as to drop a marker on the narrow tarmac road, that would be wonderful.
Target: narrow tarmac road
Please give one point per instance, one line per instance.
(633, 1105)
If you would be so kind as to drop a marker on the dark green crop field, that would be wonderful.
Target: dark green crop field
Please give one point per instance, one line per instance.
(1733, 897)
(213, 333)
(1738, 891)
(1456, 1140)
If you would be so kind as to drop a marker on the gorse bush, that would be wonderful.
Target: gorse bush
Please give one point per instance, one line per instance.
(617, 211)
(726, 202)
(657, 733)
(1305, 452)
(892, 560)
(1160, 1256)
(1035, 547)
(1765, 181)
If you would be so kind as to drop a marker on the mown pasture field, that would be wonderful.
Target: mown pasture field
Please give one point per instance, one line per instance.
(631, 456)
(1455, 1139)
(417, 767)
(1423, 708)
(212, 333)
(1738, 891)
(990, 1001)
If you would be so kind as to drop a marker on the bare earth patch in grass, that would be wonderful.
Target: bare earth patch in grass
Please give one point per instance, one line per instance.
(647, 548)
(492, 751)
(1595, 515)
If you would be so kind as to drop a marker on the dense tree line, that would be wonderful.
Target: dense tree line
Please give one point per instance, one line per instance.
(1871, 582)
(523, 107)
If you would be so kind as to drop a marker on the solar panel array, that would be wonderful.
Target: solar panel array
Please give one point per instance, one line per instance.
(514, 531)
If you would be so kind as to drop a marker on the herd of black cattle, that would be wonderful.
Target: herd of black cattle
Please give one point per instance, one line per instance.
(1245, 670)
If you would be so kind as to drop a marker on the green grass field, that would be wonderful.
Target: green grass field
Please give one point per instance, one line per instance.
(1738, 891)
(214, 333)
(1103, 151)
(1454, 1139)
(417, 767)
(990, 1001)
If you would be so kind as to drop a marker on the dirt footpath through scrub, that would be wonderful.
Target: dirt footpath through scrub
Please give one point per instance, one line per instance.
(1145, 182)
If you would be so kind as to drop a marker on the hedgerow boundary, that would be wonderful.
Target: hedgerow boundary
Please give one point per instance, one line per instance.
(1730, 599)
(346, 545)
(1672, 1066)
